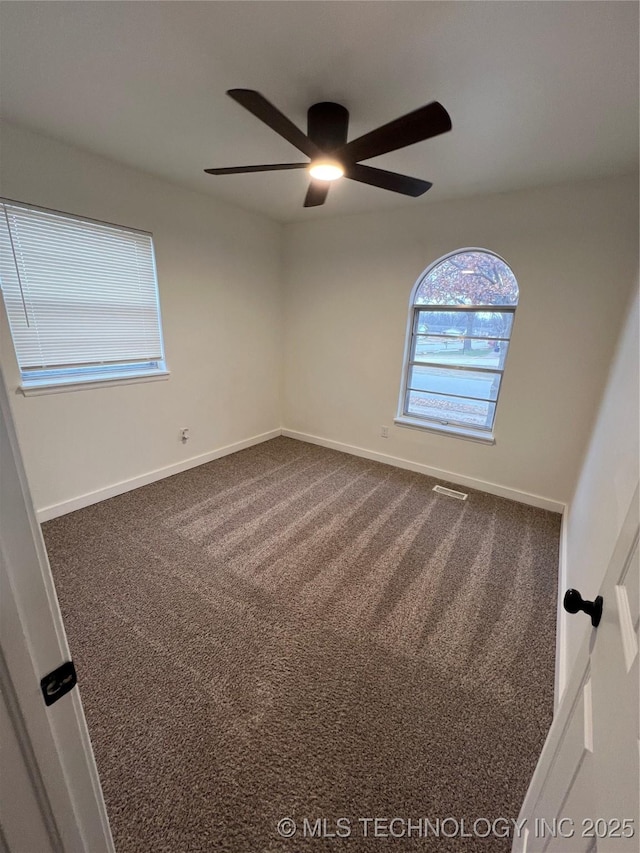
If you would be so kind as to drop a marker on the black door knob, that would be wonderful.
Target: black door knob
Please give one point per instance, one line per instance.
(573, 602)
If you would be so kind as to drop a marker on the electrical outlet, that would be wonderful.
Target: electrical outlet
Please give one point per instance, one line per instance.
(384, 431)
(184, 435)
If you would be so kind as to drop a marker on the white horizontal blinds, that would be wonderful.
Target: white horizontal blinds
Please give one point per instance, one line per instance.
(80, 293)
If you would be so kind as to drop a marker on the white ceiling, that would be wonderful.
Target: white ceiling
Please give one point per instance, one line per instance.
(538, 92)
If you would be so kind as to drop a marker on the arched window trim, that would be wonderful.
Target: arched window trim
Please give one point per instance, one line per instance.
(403, 418)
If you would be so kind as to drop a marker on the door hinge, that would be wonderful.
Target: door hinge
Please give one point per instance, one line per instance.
(58, 682)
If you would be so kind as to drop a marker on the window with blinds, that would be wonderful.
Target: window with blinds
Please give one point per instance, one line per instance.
(81, 297)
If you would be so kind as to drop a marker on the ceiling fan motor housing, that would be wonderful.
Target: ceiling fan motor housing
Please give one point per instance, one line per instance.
(328, 125)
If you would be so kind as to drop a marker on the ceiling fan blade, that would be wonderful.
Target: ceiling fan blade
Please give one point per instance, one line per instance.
(237, 170)
(387, 180)
(271, 116)
(317, 193)
(423, 123)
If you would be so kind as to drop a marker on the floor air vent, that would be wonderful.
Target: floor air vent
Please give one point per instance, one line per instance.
(461, 496)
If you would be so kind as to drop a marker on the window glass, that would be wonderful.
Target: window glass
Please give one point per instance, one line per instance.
(468, 278)
(460, 326)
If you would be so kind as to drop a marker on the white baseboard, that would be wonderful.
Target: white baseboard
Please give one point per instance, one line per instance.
(53, 511)
(449, 476)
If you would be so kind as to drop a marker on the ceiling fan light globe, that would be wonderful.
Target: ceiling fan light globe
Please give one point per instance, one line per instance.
(326, 170)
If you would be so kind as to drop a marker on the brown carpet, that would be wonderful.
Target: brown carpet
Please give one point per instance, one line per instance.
(292, 631)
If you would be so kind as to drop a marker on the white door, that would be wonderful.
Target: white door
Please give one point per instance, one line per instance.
(584, 796)
(50, 795)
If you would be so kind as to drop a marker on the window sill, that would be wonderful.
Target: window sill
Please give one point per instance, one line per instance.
(43, 387)
(443, 429)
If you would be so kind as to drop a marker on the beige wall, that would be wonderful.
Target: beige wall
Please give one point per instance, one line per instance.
(335, 343)
(220, 292)
(573, 249)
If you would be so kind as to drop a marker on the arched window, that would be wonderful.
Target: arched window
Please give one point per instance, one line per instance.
(460, 322)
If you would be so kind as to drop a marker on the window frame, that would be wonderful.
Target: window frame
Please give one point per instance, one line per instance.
(483, 435)
(61, 378)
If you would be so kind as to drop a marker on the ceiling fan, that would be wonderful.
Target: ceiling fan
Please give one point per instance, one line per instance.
(331, 156)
